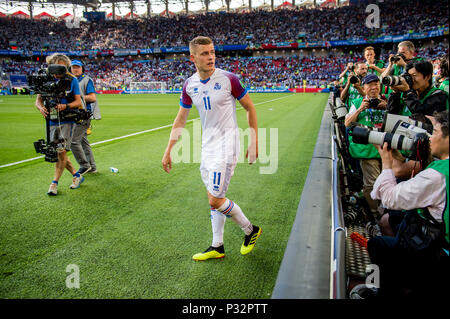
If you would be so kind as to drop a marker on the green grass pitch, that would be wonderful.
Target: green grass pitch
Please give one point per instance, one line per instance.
(132, 234)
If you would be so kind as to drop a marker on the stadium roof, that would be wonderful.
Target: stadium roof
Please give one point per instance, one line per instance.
(58, 8)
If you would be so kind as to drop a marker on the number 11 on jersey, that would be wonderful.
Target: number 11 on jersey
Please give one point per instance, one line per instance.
(207, 103)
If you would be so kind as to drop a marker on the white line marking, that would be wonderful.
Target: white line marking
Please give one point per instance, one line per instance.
(137, 133)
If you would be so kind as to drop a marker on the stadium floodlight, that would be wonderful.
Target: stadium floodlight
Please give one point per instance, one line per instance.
(148, 87)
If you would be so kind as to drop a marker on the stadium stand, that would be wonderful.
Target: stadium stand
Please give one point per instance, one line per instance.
(254, 58)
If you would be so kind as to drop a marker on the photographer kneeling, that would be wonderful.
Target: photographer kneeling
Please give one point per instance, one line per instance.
(61, 131)
(417, 257)
(368, 111)
(415, 93)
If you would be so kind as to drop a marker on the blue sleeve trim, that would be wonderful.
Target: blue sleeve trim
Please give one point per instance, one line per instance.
(186, 106)
(242, 95)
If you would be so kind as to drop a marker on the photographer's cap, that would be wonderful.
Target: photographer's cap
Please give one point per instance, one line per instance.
(77, 62)
(370, 78)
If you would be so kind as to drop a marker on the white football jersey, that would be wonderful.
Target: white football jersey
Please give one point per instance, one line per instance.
(215, 100)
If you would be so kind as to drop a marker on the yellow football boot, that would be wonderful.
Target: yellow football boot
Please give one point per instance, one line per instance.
(210, 253)
(250, 240)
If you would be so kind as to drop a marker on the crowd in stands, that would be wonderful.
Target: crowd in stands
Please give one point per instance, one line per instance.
(256, 27)
(394, 184)
(288, 71)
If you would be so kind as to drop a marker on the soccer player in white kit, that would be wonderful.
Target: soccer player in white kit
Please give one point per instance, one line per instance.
(214, 93)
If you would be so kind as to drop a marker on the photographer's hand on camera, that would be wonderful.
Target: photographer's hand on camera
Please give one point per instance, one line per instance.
(382, 104)
(386, 156)
(403, 87)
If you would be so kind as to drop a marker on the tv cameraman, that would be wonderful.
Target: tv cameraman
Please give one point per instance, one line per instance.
(419, 265)
(368, 111)
(352, 89)
(416, 93)
(61, 132)
(81, 149)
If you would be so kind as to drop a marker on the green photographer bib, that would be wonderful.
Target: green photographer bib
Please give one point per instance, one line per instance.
(370, 118)
(442, 167)
(353, 94)
(378, 63)
(444, 87)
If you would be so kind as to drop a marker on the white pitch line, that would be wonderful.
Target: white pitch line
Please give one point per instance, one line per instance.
(134, 134)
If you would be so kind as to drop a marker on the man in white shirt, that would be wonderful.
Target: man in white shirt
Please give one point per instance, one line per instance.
(429, 189)
(214, 93)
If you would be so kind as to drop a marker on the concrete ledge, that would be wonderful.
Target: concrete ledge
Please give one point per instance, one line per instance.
(305, 269)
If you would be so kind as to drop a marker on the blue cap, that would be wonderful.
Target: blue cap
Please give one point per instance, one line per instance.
(370, 78)
(77, 62)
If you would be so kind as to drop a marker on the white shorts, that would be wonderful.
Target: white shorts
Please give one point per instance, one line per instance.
(216, 175)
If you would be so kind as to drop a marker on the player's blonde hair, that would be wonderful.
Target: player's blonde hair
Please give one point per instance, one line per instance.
(58, 57)
(200, 40)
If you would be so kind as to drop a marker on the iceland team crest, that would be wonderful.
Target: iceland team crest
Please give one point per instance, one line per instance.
(217, 86)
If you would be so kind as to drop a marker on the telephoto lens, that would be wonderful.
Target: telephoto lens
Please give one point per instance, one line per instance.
(362, 135)
(340, 109)
(391, 80)
(391, 122)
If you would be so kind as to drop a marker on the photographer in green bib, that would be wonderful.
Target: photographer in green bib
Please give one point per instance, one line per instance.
(368, 111)
(352, 89)
(416, 255)
(375, 66)
(397, 63)
(414, 93)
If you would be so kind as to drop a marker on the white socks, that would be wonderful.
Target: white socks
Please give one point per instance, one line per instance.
(233, 210)
(218, 225)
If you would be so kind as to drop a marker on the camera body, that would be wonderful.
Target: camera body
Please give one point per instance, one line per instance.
(397, 58)
(45, 83)
(354, 79)
(49, 150)
(373, 103)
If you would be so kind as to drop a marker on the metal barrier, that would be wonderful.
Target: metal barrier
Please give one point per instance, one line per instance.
(338, 284)
(339, 233)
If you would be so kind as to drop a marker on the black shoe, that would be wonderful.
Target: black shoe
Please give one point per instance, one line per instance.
(84, 170)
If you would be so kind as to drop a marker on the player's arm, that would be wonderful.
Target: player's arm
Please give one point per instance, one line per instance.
(178, 125)
(247, 104)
